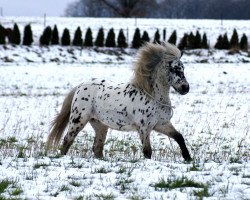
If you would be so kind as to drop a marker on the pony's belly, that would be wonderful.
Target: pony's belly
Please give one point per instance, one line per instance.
(121, 127)
(118, 125)
(116, 120)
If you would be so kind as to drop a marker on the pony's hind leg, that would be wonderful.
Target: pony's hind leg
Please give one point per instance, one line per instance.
(75, 126)
(169, 130)
(100, 137)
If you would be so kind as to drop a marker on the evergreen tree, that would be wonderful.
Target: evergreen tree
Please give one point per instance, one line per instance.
(190, 41)
(204, 43)
(164, 34)
(99, 42)
(145, 38)
(173, 37)
(121, 40)
(219, 44)
(15, 36)
(183, 43)
(2, 36)
(157, 37)
(137, 42)
(65, 40)
(46, 36)
(110, 40)
(244, 42)
(225, 42)
(234, 42)
(197, 40)
(55, 36)
(77, 41)
(88, 42)
(28, 35)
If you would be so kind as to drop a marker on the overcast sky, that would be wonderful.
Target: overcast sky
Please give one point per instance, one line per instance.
(33, 7)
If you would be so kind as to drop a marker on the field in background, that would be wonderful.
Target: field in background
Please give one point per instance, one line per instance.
(213, 118)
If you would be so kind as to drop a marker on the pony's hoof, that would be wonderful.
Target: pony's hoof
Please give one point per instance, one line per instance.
(147, 154)
(188, 160)
(63, 153)
(98, 155)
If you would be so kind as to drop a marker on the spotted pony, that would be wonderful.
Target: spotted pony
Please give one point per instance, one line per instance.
(141, 105)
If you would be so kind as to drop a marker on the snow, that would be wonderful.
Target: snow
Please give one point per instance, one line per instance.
(213, 118)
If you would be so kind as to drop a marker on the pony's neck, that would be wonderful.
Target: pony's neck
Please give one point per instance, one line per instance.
(161, 92)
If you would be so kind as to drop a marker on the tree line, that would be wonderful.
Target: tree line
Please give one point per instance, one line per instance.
(51, 37)
(190, 9)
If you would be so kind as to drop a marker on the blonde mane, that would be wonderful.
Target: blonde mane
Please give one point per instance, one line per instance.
(148, 58)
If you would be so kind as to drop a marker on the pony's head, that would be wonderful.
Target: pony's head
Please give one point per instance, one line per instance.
(177, 78)
(162, 62)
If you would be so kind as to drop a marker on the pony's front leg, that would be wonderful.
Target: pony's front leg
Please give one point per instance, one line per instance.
(169, 130)
(145, 140)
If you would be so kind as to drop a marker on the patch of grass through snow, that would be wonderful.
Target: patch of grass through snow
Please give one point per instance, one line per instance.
(7, 184)
(102, 170)
(38, 165)
(4, 184)
(181, 183)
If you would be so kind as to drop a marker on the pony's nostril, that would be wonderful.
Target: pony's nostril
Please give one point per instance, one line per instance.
(185, 88)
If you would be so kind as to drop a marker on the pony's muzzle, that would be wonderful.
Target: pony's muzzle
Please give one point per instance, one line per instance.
(184, 89)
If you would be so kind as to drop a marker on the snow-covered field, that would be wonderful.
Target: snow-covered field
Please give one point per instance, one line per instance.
(213, 118)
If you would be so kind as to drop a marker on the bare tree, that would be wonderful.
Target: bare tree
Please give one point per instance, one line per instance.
(126, 8)
(89, 8)
(75, 9)
(212, 9)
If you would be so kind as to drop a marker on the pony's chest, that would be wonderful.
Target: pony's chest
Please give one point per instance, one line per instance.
(164, 114)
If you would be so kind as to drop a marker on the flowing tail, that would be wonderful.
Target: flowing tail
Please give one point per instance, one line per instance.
(60, 122)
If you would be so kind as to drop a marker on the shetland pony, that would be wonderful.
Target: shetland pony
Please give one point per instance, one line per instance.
(141, 105)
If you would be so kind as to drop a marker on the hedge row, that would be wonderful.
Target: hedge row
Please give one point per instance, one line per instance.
(224, 43)
(51, 37)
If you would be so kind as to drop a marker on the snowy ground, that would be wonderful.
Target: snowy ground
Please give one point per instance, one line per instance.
(213, 118)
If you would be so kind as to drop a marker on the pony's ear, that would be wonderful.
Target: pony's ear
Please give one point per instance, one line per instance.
(182, 52)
